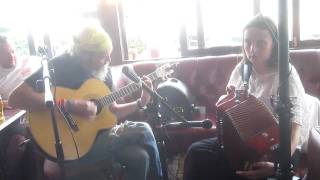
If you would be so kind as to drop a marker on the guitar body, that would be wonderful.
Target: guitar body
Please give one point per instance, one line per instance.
(41, 128)
(78, 139)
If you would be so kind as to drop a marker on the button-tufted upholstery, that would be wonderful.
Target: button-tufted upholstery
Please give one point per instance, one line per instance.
(206, 78)
(307, 63)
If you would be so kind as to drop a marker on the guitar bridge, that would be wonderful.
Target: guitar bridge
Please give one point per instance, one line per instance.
(69, 120)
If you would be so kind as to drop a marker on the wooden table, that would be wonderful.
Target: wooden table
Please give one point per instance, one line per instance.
(28, 166)
(12, 116)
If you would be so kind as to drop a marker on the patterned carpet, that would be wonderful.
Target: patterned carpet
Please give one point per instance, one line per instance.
(175, 167)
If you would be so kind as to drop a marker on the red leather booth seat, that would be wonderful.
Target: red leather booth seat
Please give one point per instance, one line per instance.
(307, 63)
(207, 77)
(314, 154)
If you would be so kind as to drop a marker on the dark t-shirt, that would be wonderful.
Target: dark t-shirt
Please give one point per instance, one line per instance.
(68, 73)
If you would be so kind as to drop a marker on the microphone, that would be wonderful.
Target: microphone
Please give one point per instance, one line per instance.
(206, 124)
(246, 73)
(48, 98)
(135, 78)
(131, 75)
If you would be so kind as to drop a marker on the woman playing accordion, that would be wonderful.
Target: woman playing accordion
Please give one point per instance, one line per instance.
(206, 160)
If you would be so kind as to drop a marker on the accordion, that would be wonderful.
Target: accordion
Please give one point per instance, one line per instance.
(247, 129)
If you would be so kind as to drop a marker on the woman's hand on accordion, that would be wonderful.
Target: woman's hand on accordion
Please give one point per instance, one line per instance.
(258, 170)
(230, 89)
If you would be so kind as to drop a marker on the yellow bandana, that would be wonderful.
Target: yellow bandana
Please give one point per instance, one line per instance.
(92, 39)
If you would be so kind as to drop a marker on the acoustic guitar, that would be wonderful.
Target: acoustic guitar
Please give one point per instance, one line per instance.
(78, 135)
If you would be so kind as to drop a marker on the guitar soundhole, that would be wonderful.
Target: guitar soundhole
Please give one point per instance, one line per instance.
(99, 107)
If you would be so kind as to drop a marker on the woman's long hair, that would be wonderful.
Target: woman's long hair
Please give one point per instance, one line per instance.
(264, 23)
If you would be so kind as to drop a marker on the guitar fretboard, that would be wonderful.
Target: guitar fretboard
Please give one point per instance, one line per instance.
(107, 100)
(124, 91)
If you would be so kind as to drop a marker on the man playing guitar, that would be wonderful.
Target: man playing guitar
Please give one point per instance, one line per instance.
(131, 143)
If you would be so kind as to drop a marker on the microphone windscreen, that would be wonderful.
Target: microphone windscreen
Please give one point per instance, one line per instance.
(131, 75)
(207, 124)
(125, 69)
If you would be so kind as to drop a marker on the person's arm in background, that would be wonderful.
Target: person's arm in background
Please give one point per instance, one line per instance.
(29, 65)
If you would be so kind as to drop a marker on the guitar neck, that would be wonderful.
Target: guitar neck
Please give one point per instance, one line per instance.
(124, 91)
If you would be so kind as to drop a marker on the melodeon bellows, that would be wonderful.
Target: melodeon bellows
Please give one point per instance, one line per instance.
(247, 129)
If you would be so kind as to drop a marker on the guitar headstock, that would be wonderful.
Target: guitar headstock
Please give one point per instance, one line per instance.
(166, 70)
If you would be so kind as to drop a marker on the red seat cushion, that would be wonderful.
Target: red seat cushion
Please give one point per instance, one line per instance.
(314, 154)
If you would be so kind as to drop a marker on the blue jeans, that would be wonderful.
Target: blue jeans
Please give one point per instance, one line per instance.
(135, 148)
(206, 161)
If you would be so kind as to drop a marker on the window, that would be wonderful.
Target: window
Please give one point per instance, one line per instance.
(61, 19)
(12, 27)
(309, 20)
(18, 38)
(223, 21)
(189, 23)
(270, 8)
(156, 29)
(57, 20)
(153, 27)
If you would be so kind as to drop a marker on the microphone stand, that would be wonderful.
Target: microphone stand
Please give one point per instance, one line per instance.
(284, 168)
(161, 138)
(49, 101)
(134, 77)
(156, 99)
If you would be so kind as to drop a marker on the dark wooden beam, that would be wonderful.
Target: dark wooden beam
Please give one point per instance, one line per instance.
(108, 14)
(296, 24)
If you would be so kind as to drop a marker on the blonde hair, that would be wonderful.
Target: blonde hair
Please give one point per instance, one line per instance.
(92, 38)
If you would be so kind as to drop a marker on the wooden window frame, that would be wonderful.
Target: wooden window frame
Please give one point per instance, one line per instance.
(118, 35)
(296, 42)
(112, 19)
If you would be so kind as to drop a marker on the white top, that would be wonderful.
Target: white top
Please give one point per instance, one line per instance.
(263, 86)
(12, 78)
